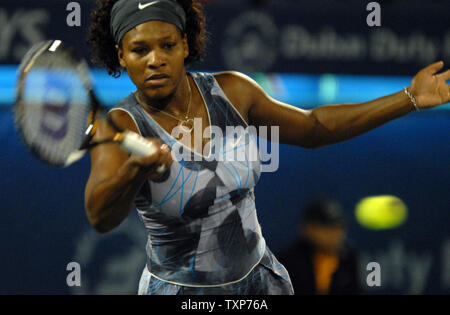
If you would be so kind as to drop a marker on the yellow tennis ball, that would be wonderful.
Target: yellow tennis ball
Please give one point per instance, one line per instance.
(381, 212)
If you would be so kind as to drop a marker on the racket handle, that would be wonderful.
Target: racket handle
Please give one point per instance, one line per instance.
(135, 144)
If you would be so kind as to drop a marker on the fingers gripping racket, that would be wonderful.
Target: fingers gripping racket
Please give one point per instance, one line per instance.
(56, 110)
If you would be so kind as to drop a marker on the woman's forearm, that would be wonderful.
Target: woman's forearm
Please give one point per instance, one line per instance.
(111, 200)
(336, 123)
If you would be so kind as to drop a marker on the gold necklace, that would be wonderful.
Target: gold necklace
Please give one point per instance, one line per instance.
(188, 123)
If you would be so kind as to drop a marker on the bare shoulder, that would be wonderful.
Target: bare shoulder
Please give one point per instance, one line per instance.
(239, 88)
(231, 75)
(234, 81)
(123, 119)
(111, 153)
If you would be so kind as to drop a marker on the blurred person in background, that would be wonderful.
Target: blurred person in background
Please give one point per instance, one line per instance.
(321, 261)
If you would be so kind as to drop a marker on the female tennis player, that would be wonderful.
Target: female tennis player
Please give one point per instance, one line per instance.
(203, 232)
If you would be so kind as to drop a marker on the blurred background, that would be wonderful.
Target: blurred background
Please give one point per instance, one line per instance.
(305, 53)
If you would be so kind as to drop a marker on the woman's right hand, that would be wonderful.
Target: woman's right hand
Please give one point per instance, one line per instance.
(151, 165)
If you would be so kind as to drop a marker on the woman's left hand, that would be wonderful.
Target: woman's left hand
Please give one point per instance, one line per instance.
(430, 89)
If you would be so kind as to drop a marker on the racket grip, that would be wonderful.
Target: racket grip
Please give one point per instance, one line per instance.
(137, 145)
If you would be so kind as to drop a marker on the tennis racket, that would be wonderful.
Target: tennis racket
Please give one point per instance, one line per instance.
(56, 110)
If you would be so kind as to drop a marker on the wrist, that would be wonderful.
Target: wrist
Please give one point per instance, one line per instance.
(412, 99)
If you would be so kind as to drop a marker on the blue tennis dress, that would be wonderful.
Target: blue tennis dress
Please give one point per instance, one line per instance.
(203, 233)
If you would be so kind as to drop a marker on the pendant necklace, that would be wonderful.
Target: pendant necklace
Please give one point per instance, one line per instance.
(186, 124)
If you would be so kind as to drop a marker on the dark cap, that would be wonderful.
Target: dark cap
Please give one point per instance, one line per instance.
(324, 212)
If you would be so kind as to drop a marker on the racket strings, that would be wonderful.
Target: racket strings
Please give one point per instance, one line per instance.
(53, 108)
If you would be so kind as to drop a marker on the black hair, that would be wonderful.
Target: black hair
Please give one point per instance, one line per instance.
(103, 46)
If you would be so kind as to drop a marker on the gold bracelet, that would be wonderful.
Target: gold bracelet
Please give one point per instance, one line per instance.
(413, 100)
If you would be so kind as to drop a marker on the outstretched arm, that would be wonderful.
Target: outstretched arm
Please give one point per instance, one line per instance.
(330, 124)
